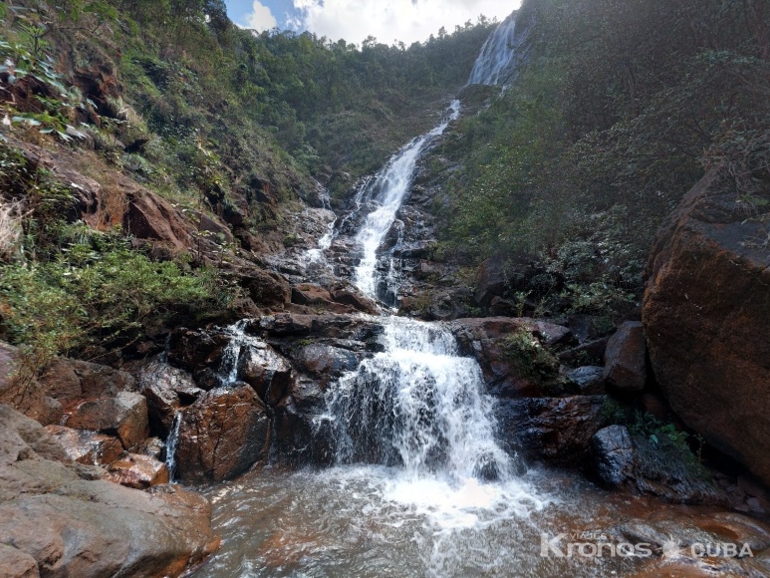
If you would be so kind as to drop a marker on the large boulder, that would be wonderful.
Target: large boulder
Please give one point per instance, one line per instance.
(268, 373)
(124, 415)
(625, 359)
(222, 435)
(654, 465)
(556, 430)
(167, 390)
(148, 216)
(87, 447)
(707, 320)
(56, 520)
(70, 380)
(513, 353)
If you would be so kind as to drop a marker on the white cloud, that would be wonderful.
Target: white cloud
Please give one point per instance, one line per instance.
(261, 18)
(390, 20)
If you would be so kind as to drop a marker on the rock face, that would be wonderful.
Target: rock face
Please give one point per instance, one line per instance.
(55, 520)
(222, 435)
(86, 447)
(625, 360)
(553, 429)
(707, 320)
(651, 466)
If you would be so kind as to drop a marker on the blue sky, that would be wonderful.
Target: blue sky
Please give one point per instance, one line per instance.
(354, 20)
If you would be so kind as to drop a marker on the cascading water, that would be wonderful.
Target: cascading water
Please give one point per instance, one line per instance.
(417, 405)
(388, 189)
(171, 445)
(496, 61)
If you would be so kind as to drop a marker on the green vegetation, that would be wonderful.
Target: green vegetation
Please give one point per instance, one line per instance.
(619, 111)
(531, 358)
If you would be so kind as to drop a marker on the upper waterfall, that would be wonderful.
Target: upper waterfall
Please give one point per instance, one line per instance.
(388, 189)
(495, 62)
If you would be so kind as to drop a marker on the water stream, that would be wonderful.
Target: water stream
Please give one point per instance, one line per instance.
(421, 484)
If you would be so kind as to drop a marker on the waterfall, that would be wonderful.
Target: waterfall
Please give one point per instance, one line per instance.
(171, 445)
(239, 340)
(496, 61)
(417, 405)
(388, 189)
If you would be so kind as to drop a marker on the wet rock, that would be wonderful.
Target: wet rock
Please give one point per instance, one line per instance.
(167, 390)
(197, 351)
(268, 373)
(555, 430)
(706, 315)
(626, 357)
(154, 448)
(124, 415)
(355, 300)
(222, 435)
(71, 525)
(613, 454)
(70, 380)
(508, 371)
(137, 471)
(325, 326)
(267, 289)
(326, 362)
(589, 379)
(308, 294)
(297, 438)
(87, 447)
(651, 466)
(16, 564)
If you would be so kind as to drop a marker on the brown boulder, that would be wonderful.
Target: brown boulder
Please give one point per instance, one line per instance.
(308, 294)
(70, 380)
(355, 300)
(707, 320)
(124, 415)
(267, 289)
(268, 373)
(137, 471)
(71, 525)
(148, 216)
(553, 429)
(625, 359)
(167, 390)
(86, 447)
(222, 435)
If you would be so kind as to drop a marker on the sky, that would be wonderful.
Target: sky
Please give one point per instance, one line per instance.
(387, 20)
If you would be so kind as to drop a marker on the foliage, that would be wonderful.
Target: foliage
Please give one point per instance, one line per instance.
(530, 357)
(605, 130)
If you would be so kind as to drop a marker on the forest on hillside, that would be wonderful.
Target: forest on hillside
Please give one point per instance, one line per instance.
(618, 108)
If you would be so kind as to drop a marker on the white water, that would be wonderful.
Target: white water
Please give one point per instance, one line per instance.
(420, 406)
(318, 255)
(495, 62)
(390, 186)
(171, 445)
(239, 340)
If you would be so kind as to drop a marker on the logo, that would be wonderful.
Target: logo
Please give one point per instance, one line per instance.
(598, 545)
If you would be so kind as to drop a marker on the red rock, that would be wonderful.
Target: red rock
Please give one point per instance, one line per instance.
(267, 289)
(16, 564)
(625, 360)
(148, 216)
(268, 373)
(125, 414)
(86, 447)
(707, 320)
(355, 300)
(137, 471)
(69, 380)
(222, 435)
